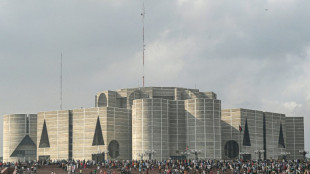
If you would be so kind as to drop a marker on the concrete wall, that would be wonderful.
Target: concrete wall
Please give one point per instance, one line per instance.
(57, 123)
(119, 129)
(150, 128)
(203, 125)
(177, 127)
(101, 100)
(232, 118)
(273, 121)
(33, 127)
(115, 124)
(133, 96)
(255, 126)
(295, 137)
(84, 124)
(14, 130)
(124, 97)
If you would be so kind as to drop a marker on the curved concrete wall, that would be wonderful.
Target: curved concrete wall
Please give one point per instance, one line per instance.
(133, 96)
(203, 124)
(150, 129)
(177, 131)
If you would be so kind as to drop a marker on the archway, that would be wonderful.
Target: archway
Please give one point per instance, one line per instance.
(102, 100)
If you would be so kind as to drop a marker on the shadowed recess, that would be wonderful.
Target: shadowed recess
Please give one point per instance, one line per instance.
(44, 141)
(113, 149)
(281, 143)
(231, 149)
(98, 137)
(246, 136)
(26, 146)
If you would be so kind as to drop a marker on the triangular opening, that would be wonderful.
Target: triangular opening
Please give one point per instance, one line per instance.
(44, 142)
(98, 137)
(246, 136)
(24, 147)
(281, 143)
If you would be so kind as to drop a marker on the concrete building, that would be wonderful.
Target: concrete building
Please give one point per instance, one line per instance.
(152, 123)
(162, 122)
(19, 137)
(135, 123)
(231, 136)
(264, 135)
(85, 134)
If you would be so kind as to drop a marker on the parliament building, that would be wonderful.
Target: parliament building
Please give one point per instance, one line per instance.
(152, 123)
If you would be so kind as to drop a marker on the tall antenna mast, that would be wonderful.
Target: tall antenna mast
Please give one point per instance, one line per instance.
(61, 81)
(143, 14)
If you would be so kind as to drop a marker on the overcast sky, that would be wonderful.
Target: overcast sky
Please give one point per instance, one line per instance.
(253, 54)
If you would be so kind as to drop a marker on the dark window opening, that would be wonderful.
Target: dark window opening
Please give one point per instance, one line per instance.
(44, 141)
(98, 137)
(246, 136)
(281, 143)
(113, 149)
(231, 149)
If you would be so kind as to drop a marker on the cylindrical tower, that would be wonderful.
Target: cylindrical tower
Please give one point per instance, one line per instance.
(177, 131)
(150, 139)
(203, 124)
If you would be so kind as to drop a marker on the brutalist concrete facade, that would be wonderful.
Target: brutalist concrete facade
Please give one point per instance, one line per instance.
(203, 127)
(53, 135)
(115, 126)
(231, 120)
(154, 123)
(148, 123)
(71, 133)
(171, 122)
(150, 128)
(295, 137)
(19, 137)
(273, 122)
(264, 135)
(177, 127)
(164, 120)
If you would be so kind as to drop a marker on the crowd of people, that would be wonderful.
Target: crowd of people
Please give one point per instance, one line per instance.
(170, 166)
(213, 166)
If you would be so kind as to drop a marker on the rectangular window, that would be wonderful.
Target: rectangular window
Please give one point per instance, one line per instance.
(27, 124)
(70, 134)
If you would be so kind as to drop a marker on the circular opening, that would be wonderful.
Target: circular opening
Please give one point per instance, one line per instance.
(113, 149)
(231, 149)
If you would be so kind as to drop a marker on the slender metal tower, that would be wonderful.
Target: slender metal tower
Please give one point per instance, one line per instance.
(143, 15)
(61, 81)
